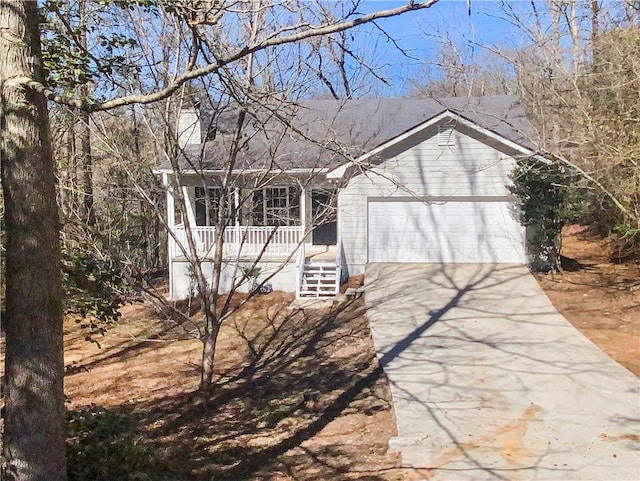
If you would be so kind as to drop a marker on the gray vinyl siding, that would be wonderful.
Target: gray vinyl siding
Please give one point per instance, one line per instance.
(419, 167)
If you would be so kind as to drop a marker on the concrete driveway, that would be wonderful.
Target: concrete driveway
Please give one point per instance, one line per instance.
(489, 381)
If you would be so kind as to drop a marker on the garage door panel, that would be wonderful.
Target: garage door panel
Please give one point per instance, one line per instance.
(457, 231)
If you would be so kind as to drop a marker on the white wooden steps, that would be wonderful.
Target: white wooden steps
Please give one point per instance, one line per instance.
(319, 278)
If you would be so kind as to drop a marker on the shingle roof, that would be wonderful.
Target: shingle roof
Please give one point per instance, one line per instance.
(330, 131)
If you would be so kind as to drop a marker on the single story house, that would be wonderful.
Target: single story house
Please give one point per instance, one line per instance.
(319, 189)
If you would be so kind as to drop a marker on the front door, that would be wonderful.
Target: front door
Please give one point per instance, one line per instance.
(323, 212)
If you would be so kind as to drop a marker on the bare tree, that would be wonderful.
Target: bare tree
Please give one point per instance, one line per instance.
(241, 122)
(579, 81)
(460, 71)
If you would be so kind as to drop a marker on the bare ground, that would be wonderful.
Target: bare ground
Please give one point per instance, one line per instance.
(299, 395)
(599, 297)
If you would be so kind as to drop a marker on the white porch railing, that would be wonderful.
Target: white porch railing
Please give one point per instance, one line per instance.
(246, 241)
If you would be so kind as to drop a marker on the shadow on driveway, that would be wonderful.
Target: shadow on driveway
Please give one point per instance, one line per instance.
(489, 381)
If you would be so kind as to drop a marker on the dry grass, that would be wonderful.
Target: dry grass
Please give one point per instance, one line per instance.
(299, 395)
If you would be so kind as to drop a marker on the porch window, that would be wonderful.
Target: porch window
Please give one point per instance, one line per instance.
(276, 206)
(207, 202)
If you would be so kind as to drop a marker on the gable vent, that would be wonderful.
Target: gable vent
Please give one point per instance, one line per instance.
(446, 135)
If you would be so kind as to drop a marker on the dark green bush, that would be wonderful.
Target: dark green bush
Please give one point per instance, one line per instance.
(549, 199)
(106, 446)
(94, 290)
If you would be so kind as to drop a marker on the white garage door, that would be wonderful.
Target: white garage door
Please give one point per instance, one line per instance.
(453, 231)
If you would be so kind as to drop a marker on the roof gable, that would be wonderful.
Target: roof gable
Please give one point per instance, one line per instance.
(448, 117)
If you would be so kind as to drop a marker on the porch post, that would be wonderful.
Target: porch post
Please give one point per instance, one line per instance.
(171, 210)
(189, 206)
(236, 231)
(303, 210)
(236, 201)
(171, 215)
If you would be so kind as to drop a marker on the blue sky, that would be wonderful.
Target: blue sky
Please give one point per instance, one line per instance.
(419, 33)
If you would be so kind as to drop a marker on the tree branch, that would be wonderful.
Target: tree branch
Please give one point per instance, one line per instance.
(309, 32)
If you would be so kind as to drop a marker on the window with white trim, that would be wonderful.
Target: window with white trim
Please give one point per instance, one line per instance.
(207, 204)
(446, 135)
(276, 206)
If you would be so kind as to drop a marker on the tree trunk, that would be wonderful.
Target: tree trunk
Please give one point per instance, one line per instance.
(35, 422)
(67, 195)
(208, 355)
(85, 138)
(86, 166)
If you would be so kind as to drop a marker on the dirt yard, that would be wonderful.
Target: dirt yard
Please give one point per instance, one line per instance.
(600, 298)
(299, 394)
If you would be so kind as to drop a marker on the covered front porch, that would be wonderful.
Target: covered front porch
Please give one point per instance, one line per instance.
(270, 221)
(285, 230)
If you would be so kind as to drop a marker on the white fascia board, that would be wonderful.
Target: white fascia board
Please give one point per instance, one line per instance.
(242, 171)
(447, 114)
(254, 171)
(494, 136)
(339, 172)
